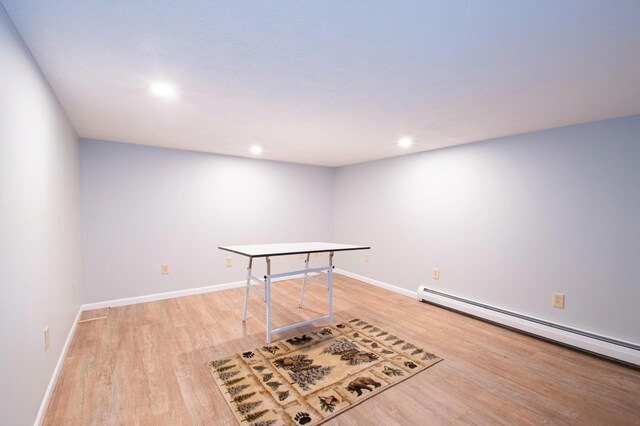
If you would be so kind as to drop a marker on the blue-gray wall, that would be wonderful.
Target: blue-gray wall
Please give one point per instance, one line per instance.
(509, 221)
(144, 206)
(39, 229)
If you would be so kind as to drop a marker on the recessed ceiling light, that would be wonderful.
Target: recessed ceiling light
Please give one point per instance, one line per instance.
(255, 149)
(405, 142)
(163, 90)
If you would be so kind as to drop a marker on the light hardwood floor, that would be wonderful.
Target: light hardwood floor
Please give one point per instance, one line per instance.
(145, 364)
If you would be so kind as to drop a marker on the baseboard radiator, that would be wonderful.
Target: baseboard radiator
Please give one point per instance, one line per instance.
(601, 345)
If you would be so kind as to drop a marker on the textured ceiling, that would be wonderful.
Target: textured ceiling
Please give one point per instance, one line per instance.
(333, 82)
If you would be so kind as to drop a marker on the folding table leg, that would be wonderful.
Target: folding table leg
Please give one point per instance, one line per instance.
(330, 286)
(246, 292)
(267, 295)
(304, 280)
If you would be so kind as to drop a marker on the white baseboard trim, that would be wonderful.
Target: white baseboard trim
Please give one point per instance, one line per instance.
(579, 341)
(390, 287)
(550, 331)
(56, 372)
(160, 296)
(172, 294)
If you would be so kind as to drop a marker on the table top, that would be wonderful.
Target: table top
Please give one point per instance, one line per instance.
(263, 250)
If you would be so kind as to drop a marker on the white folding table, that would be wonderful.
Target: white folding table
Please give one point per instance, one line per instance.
(271, 250)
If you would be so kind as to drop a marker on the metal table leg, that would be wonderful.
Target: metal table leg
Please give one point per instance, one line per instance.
(246, 292)
(330, 285)
(267, 295)
(304, 279)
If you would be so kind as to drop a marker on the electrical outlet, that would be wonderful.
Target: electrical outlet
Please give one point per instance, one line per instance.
(366, 258)
(435, 273)
(229, 262)
(46, 338)
(557, 300)
(164, 268)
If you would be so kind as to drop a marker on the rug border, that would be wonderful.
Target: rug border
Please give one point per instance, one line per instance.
(333, 415)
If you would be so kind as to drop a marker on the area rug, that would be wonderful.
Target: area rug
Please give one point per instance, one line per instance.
(312, 377)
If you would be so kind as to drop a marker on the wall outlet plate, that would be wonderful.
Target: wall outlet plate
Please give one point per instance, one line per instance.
(435, 273)
(46, 338)
(366, 258)
(228, 262)
(557, 300)
(164, 268)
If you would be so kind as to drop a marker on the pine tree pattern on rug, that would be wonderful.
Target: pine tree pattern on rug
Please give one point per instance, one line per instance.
(310, 378)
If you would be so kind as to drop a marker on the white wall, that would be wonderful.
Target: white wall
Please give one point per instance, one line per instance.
(144, 206)
(39, 229)
(509, 221)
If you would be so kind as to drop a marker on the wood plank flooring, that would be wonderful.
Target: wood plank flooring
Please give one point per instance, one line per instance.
(145, 365)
